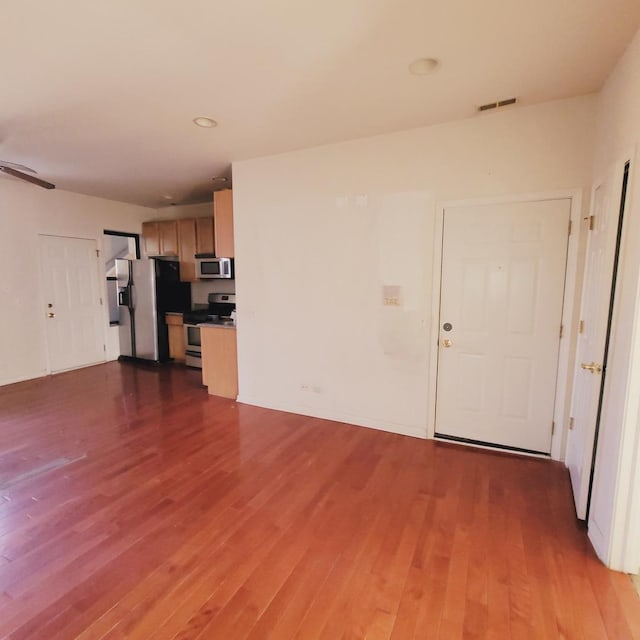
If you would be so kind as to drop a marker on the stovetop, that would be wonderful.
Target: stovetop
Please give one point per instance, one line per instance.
(195, 317)
(221, 305)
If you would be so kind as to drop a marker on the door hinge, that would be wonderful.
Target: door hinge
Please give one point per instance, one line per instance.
(570, 423)
(553, 428)
(561, 330)
(101, 301)
(104, 347)
(97, 253)
(570, 226)
(592, 222)
(581, 327)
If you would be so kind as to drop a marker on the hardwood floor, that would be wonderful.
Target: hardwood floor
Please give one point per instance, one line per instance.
(135, 505)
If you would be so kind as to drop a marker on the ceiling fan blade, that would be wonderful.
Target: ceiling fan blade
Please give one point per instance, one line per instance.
(25, 176)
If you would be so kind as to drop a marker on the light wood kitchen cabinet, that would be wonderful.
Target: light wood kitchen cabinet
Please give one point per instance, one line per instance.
(223, 223)
(185, 237)
(219, 361)
(204, 235)
(195, 235)
(160, 238)
(187, 241)
(151, 238)
(177, 345)
(168, 237)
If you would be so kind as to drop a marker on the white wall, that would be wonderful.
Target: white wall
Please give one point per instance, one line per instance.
(201, 210)
(319, 232)
(25, 212)
(614, 524)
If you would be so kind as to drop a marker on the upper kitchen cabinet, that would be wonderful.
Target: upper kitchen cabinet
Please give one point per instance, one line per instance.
(188, 241)
(204, 235)
(160, 238)
(223, 223)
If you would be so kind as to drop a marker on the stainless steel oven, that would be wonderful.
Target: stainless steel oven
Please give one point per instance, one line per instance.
(193, 346)
(220, 310)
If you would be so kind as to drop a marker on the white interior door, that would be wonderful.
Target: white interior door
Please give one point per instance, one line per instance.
(594, 315)
(502, 287)
(71, 292)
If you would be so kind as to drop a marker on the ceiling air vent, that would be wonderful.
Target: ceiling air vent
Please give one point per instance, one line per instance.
(497, 105)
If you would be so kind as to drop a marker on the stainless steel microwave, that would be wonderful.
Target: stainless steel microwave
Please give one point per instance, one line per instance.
(209, 268)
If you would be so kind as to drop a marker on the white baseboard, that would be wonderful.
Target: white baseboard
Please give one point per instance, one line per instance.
(9, 381)
(359, 421)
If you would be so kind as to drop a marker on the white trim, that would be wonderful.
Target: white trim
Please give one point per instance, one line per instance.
(9, 381)
(562, 403)
(44, 337)
(570, 306)
(622, 550)
(488, 447)
(336, 416)
(625, 530)
(434, 334)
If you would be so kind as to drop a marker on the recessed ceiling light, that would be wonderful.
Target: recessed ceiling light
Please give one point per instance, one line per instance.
(167, 197)
(207, 123)
(423, 66)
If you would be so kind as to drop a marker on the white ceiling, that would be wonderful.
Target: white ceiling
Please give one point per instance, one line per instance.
(98, 96)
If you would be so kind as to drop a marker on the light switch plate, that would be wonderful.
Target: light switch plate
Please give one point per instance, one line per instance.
(391, 295)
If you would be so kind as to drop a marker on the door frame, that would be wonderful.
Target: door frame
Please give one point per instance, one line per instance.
(620, 549)
(611, 178)
(41, 298)
(566, 354)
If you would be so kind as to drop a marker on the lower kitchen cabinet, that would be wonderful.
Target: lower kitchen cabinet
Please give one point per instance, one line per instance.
(219, 360)
(177, 345)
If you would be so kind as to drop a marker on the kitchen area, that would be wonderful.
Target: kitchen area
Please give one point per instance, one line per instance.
(180, 296)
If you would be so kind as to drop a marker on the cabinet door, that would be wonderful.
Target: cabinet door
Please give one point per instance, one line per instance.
(220, 361)
(175, 326)
(204, 235)
(151, 238)
(223, 223)
(187, 239)
(176, 342)
(168, 238)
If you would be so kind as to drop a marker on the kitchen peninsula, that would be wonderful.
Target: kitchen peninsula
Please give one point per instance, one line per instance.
(219, 359)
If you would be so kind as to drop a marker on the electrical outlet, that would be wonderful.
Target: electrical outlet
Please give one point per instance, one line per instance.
(391, 301)
(311, 388)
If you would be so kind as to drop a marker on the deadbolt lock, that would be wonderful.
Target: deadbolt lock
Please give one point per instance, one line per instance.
(594, 367)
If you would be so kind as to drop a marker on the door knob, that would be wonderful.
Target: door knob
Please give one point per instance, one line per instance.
(51, 314)
(593, 367)
(447, 343)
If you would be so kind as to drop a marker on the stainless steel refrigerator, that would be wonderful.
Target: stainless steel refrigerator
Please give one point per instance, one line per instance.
(147, 289)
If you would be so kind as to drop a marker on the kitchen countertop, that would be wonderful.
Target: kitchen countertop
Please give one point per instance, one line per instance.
(217, 324)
